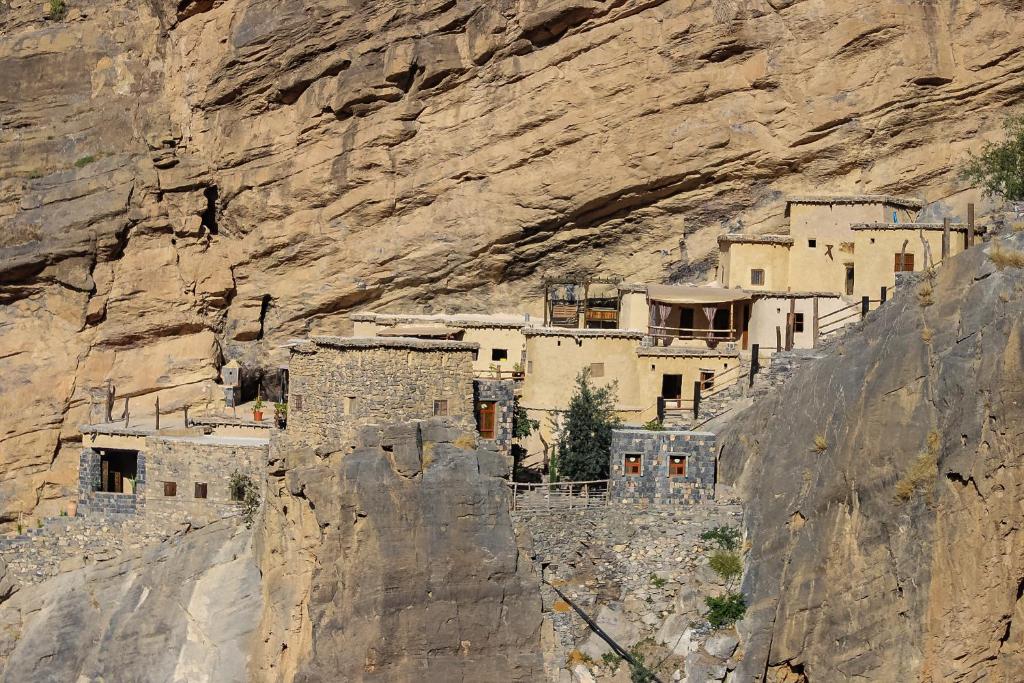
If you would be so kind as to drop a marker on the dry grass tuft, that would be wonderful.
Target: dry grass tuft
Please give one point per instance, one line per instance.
(927, 335)
(465, 442)
(1005, 258)
(922, 471)
(820, 443)
(924, 295)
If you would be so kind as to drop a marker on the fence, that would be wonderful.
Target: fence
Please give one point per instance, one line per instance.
(549, 497)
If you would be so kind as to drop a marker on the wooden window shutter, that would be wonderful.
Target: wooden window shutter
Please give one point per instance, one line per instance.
(200, 490)
(170, 488)
(441, 407)
(485, 419)
(632, 464)
(677, 466)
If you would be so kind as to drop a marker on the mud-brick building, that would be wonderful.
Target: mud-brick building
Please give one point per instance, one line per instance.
(166, 476)
(338, 384)
(662, 467)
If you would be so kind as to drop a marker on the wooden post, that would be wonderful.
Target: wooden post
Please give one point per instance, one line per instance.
(778, 338)
(108, 406)
(126, 414)
(732, 307)
(157, 412)
(970, 225)
(814, 324)
(696, 399)
(186, 416)
(945, 238)
(754, 363)
(884, 294)
(791, 332)
(547, 303)
(865, 307)
(661, 409)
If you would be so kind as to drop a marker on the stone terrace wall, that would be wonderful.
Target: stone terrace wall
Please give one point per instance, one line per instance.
(653, 485)
(338, 384)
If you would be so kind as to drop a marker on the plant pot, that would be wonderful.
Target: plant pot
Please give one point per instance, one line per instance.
(281, 423)
(257, 415)
(72, 508)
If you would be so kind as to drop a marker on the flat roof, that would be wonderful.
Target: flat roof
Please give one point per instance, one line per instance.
(694, 295)
(737, 238)
(767, 294)
(505, 320)
(411, 343)
(211, 440)
(686, 352)
(581, 333)
(655, 432)
(891, 200)
(955, 227)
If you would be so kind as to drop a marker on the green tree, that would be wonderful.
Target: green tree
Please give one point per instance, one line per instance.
(585, 442)
(1000, 167)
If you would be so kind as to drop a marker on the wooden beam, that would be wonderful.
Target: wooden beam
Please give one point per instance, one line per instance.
(814, 328)
(945, 238)
(970, 225)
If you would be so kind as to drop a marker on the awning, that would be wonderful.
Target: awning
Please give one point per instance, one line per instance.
(679, 294)
(431, 331)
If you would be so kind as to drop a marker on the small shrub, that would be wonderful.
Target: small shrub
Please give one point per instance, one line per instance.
(654, 426)
(58, 9)
(611, 660)
(657, 581)
(577, 657)
(639, 673)
(820, 443)
(243, 490)
(725, 610)
(1005, 258)
(921, 472)
(21, 529)
(85, 161)
(724, 537)
(727, 565)
(39, 524)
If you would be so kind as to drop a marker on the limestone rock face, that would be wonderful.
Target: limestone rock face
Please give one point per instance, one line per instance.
(182, 611)
(898, 552)
(413, 574)
(185, 182)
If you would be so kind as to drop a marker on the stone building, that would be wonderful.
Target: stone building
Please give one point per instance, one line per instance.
(165, 476)
(662, 467)
(337, 384)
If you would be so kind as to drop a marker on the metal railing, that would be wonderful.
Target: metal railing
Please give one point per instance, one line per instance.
(559, 496)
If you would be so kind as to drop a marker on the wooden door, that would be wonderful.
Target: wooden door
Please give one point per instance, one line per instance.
(485, 419)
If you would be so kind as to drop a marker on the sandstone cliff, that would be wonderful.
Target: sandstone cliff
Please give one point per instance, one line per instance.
(185, 181)
(883, 487)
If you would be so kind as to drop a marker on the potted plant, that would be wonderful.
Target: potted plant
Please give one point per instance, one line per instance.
(281, 414)
(517, 371)
(257, 409)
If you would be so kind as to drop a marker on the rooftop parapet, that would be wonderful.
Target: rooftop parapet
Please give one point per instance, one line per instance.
(955, 227)
(888, 199)
(738, 238)
(463, 320)
(411, 343)
(582, 333)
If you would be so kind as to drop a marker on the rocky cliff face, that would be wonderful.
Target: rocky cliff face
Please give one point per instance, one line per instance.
(185, 181)
(395, 561)
(883, 487)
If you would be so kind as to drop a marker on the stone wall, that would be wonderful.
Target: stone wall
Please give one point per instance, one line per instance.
(503, 393)
(653, 484)
(93, 501)
(337, 384)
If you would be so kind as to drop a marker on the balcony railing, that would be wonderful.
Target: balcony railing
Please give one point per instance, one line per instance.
(685, 333)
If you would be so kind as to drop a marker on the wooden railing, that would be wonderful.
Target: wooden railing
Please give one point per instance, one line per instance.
(721, 381)
(662, 332)
(559, 496)
(496, 373)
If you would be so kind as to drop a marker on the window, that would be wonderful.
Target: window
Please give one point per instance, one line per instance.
(118, 470)
(904, 265)
(707, 379)
(200, 490)
(632, 463)
(170, 488)
(351, 405)
(849, 278)
(441, 407)
(529, 367)
(476, 354)
(485, 411)
(677, 465)
(296, 402)
(597, 369)
(798, 322)
(811, 244)
(757, 276)
(499, 354)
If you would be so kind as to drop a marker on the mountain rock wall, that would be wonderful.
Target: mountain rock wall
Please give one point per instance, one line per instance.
(184, 182)
(882, 488)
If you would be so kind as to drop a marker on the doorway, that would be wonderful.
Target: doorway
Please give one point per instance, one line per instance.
(118, 470)
(672, 387)
(849, 278)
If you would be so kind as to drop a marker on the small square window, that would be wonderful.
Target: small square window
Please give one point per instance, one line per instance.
(296, 402)
(441, 408)
(597, 369)
(499, 354)
(200, 490)
(476, 354)
(677, 466)
(632, 464)
(812, 243)
(170, 488)
(798, 322)
(757, 277)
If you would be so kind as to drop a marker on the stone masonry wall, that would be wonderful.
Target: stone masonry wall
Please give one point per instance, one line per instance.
(337, 385)
(653, 484)
(503, 393)
(190, 460)
(93, 501)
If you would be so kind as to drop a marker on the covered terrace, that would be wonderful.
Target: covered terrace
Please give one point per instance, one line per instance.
(691, 313)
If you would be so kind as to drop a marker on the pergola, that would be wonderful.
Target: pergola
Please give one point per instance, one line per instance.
(693, 305)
